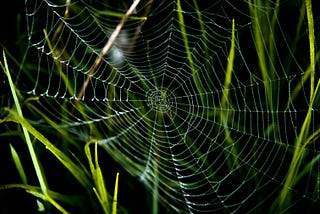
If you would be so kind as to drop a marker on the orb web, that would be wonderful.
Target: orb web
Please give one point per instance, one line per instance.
(163, 103)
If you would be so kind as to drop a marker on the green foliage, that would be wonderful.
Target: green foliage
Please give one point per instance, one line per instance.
(84, 165)
(78, 171)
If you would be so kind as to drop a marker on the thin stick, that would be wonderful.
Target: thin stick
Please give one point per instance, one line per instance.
(107, 47)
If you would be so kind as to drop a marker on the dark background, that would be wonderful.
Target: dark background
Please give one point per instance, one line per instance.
(132, 195)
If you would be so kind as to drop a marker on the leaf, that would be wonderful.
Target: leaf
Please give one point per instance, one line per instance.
(17, 162)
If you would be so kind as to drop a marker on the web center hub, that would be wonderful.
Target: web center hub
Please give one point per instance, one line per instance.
(160, 100)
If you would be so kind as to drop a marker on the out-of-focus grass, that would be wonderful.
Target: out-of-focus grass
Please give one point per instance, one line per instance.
(79, 172)
(90, 175)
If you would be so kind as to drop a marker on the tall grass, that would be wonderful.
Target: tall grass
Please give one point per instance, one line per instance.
(85, 166)
(78, 171)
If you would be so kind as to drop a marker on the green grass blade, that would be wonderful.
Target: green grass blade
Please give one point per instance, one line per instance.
(75, 170)
(311, 45)
(303, 138)
(17, 162)
(36, 191)
(33, 155)
(99, 189)
(52, 124)
(115, 195)
(225, 104)
(36, 164)
(188, 51)
(49, 199)
(203, 30)
(259, 40)
(229, 69)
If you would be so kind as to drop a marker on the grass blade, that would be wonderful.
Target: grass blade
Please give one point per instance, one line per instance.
(17, 162)
(36, 165)
(188, 51)
(115, 195)
(97, 175)
(311, 44)
(75, 170)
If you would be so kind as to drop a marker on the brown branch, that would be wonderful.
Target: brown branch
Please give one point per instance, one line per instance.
(106, 48)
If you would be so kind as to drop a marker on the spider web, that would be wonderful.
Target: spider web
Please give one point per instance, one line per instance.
(162, 103)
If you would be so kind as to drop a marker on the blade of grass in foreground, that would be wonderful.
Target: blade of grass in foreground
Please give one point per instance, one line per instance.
(75, 170)
(99, 189)
(115, 195)
(36, 164)
(17, 162)
(302, 139)
(35, 190)
(311, 45)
